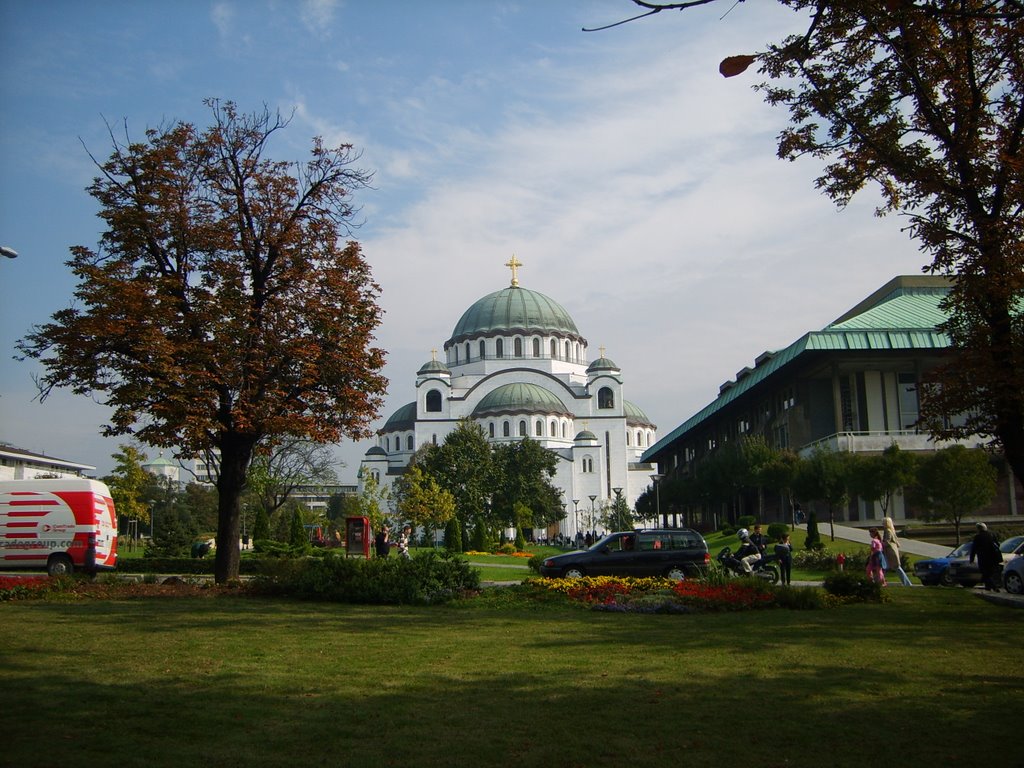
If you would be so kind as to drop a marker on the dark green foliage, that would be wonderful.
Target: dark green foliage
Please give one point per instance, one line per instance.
(520, 540)
(296, 532)
(453, 536)
(797, 598)
(777, 530)
(173, 529)
(535, 562)
(261, 528)
(428, 577)
(746, 521)
(851, 584)
(813, 537)
(728, 531)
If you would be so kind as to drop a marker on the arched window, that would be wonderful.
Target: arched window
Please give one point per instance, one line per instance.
(538, 428)
(468, 358)
(456, 351)
(433, 439)
(387, 444)
(605, 398)
(554, 349)
(536, 347)
(567, 350)
(499, 348)
(483, 349)
(640, 438)
(517, 345)
(578, 351)
(433, 401)
(408, 443)
(565, 429)
(506, 430)
(628, 442)
(554, 428)
(490, 429)
(522, 429)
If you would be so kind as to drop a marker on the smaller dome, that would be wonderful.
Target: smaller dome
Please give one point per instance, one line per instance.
(520, 397)
(634, 415)
(585, 435)
(602, 364)
(434, 366)
(159, 462)
(376, 451)
(402, 419)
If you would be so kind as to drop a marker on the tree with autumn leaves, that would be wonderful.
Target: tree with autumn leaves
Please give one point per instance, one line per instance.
(924, 101)
(222, 310)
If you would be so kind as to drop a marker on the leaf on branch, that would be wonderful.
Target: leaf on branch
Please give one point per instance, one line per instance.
(735, 65)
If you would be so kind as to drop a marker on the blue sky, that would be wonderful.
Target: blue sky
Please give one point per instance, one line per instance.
(639, 188)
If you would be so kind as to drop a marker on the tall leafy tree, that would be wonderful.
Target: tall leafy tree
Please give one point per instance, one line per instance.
(925, 101)
(825, 476)
(128, 484)
(880, 477)
(421, 500)
(222, 307)
(524, 472)
(463, 465)
(953, 483)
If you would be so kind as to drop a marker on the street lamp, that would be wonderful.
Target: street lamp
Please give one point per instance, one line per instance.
(576, 513)
(619, 522)
(593, 496)
(657, 500)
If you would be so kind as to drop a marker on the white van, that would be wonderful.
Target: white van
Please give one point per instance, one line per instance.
(59, 525)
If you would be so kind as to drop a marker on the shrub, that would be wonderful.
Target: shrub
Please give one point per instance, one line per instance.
(746, 521)
(535, 562)
(728, 531)
(777, 530)
(507, 549)
(853, 586)
(798, 598)
(817, 559)
(428, 577)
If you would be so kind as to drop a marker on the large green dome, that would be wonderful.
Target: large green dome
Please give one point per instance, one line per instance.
(514, 310)
(519, 398)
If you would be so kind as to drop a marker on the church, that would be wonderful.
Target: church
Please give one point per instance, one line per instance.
(517, 365)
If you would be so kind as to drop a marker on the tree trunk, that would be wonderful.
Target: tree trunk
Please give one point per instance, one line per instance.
(235, 454)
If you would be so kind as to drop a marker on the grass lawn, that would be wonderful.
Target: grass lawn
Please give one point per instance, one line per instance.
(933, 677)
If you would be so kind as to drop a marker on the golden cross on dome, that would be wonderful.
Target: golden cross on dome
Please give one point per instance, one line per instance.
(433, 354)
(600, 351)
(514, 264)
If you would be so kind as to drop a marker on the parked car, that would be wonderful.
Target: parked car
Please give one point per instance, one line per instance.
(1013, 576)
(967, 574)
(677, 553)
(936, 570)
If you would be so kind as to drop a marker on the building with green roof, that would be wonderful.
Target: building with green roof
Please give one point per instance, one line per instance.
(851, 386)
(517, 365)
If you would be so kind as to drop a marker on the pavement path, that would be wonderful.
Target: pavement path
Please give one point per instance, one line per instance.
(861, 536)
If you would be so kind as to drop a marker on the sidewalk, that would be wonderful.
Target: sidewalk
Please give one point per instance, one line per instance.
(861, 536)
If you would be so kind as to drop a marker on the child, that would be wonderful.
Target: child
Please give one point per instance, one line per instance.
(784, 555)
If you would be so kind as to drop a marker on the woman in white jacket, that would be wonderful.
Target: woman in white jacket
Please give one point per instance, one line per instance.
(891, 546)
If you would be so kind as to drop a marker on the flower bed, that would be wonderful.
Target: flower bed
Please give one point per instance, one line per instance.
(659, 595)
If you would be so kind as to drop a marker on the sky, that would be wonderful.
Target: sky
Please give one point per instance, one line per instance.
(639, 188)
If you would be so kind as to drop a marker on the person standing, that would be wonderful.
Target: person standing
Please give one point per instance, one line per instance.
(759, 539)
(381, 543)
(403, 542)
(874, 569)
(784, 556)
(891, 547)
(984, 547)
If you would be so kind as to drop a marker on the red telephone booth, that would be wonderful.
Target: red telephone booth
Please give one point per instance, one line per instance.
(357, 536)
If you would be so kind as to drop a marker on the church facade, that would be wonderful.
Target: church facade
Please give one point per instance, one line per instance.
(517, 365)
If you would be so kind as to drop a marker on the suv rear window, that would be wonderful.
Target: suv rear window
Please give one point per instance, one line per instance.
(667, 540)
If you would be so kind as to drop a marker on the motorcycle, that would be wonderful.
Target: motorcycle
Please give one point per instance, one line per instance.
(765, 568)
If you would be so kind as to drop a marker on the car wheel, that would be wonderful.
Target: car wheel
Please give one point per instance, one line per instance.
(60, 565)
(574, 573)
(1013, 583)
(676, 573)
(946, 579)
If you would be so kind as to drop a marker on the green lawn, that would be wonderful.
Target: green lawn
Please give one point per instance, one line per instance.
(934, 675)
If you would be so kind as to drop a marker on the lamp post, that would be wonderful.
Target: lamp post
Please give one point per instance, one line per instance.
(593, 496)
(620, 523)
(576, 513)
(657, 500)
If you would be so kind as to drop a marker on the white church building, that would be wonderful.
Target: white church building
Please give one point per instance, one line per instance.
(517, 365)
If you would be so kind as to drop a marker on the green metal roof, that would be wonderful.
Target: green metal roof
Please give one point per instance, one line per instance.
(514, 310)
(401, 420)
(904, 319)
(634, 415)
(519, 397)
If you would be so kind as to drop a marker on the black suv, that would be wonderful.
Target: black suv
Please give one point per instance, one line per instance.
(678, 553)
